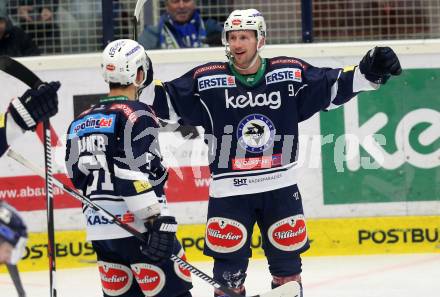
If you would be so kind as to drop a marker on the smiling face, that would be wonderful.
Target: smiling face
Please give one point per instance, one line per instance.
(243, 46)
(181, 11)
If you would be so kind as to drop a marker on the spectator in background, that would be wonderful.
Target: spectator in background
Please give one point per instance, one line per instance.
(181, 26)
(3, 8)
(37, 18)
(14, 41)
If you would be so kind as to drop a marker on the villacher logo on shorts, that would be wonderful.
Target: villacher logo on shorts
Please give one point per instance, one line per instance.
(151, 278)
(116, 278)
(256, 133)
(288, 234)
(225, 235)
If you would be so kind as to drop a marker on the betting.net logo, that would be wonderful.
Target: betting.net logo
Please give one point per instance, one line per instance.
(92, 123)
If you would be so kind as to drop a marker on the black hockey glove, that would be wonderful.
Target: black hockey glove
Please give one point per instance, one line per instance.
(161, 237)
(35, 106)
(379, 64)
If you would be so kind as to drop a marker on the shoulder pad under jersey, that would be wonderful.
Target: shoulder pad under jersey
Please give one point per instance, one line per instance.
(277, 62)
(210, 68)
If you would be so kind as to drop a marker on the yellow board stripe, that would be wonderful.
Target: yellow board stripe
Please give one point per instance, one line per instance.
(328, 237)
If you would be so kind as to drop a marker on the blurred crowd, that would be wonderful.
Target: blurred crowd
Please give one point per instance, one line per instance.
(34, 27)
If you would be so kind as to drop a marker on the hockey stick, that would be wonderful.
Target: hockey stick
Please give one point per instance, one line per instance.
(19, 71)
(290, 289)
(15, 276)
(49, 211)
(24, 74)
(136, 15)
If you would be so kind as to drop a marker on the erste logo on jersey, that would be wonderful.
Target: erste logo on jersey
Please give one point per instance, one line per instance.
(256, 133)
(94, 218)
(225, 235)
(151, 279)
(288, 234)
(116, 279)
(93, 123)
(283, 74)
(216, 81)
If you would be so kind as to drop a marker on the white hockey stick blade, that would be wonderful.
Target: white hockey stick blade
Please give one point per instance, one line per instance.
(138, 8)
(290, 289)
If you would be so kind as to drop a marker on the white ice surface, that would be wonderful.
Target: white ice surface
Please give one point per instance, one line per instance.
(349, 276)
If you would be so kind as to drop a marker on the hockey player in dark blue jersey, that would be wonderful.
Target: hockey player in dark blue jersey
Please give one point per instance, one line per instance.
(25, 112)
(114, 159)
(13, 234)
(251, 107)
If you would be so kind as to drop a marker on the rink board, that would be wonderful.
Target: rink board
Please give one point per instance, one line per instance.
(337, 178)
(328, 237)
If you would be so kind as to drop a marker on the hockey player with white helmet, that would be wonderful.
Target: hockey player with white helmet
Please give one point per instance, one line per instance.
(243, 20)
(113, 158)
(252, 106)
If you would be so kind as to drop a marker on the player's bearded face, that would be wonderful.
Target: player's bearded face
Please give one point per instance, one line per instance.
(243, 46)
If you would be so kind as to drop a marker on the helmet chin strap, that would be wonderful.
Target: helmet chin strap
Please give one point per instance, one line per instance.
(140, 86)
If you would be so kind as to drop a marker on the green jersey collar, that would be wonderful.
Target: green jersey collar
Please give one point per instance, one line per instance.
(250, 80)
(112, 98)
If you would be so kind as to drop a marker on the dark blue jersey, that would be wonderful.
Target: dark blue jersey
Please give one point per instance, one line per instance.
(113, 157)
(252, 128)
(3, 142)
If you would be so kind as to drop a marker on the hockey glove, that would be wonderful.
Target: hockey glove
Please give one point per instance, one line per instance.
(379, 64)
(35, 106)
(161, 237)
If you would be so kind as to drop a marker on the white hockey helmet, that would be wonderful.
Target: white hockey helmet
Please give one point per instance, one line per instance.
(121, 60)
(247, 19)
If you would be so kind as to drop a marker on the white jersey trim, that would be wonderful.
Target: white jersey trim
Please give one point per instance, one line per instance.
(129, 174)
(101, 229)
(247, 172)
(144, 205)
(243, 185)
(360, 83)
(13, 130)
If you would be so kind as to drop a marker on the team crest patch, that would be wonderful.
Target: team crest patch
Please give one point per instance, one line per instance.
(288, 234)
(151, 278)
(225, 235)
(256, 133)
